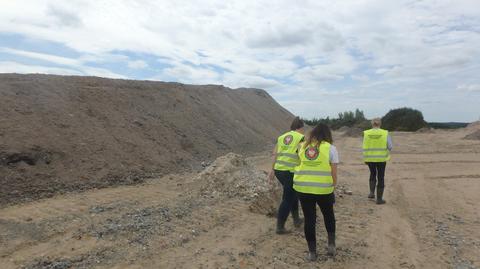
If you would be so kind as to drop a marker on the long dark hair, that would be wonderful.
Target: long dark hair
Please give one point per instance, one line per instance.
(320, 133)
(297, 123)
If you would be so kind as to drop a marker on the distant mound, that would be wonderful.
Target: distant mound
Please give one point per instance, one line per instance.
(474, 125)
(352, 132)
(64, 133)
(343, 129)
(473, 136)
(425, 130)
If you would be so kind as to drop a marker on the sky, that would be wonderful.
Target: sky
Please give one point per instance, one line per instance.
(316, 58)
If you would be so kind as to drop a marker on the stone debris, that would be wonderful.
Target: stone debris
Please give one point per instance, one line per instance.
(232, 176)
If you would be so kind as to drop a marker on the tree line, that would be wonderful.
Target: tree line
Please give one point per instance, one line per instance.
(399, 119)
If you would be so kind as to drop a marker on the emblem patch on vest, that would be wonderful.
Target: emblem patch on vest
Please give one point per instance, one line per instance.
(287, 140)
(311, 153)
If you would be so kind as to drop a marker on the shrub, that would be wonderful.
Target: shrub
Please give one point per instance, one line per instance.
(347, 118)
(403, 119)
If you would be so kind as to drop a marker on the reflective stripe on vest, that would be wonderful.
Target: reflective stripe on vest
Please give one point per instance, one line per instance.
(285, 163)
(290, 155)
(314, 184)
(287, 145)
(374, 149)
(375, 146)
(314, 174)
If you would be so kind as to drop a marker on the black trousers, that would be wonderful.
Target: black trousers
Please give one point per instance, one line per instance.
(309, 206)
(289, 198)
(377, 170)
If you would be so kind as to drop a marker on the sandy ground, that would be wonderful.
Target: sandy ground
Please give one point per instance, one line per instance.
(431, 219)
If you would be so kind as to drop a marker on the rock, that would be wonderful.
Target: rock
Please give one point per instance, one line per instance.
(348, 192)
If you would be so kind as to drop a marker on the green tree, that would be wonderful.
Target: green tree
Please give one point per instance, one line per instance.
(347, 118)
(403, 119)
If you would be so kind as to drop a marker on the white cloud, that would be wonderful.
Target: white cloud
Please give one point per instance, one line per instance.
(189, 74)
(41, 56)
(353, 49)
(71, 66)
(469, 87)
(13, 67)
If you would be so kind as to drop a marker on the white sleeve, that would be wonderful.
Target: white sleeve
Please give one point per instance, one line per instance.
(334, 154)
(389, 143)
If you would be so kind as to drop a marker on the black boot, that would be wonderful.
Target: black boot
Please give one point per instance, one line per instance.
(297, 221)
(281, 227)
(312, 251)
(380, 201)
(372, 190)
(331, 249)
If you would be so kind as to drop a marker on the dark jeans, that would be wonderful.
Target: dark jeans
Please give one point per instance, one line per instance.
(377, 170)
(309, 206)
(289, 199)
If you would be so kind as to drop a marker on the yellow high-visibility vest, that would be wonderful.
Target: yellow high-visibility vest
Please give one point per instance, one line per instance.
(314, 174)
(375, 146)
(287, 145)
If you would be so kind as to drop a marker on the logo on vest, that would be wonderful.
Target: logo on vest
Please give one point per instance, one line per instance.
(287, 140)
(311, 153)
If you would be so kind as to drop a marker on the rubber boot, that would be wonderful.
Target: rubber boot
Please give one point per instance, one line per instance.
(372, 190)
(280, 227)
(380, 201)
(331, 249)
(312, 251)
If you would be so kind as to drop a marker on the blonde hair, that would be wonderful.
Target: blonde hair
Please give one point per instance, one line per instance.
(376, 122)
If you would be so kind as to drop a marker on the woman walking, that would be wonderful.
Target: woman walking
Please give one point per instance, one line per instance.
(285, 159)
(314, 180)
(377, 145)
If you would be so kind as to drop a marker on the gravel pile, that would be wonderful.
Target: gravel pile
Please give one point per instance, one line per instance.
(233, 177)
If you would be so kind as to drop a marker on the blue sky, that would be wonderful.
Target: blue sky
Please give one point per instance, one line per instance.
(316, 58)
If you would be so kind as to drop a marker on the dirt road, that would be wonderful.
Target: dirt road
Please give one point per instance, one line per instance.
(431, 219)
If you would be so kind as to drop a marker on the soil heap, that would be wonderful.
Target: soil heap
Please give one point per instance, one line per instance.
(66, 133)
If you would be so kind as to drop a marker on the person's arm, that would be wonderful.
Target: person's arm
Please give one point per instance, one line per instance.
(271, 174)
(334, 173)
(334, 160)
(389, 143)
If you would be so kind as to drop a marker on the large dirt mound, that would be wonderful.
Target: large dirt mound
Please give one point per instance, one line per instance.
(62, 133)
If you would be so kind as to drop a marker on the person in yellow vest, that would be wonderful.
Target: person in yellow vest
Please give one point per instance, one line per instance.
(285, 159)
(377, 145)
(314, 181)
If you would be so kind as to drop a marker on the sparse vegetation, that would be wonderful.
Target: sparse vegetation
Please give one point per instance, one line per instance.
(347, 118)
(447, 125)
(400, 119)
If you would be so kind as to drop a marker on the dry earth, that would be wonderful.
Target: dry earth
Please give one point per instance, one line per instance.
(61, 133)
(221, 217)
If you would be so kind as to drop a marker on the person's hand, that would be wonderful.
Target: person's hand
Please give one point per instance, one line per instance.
(270, 176)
